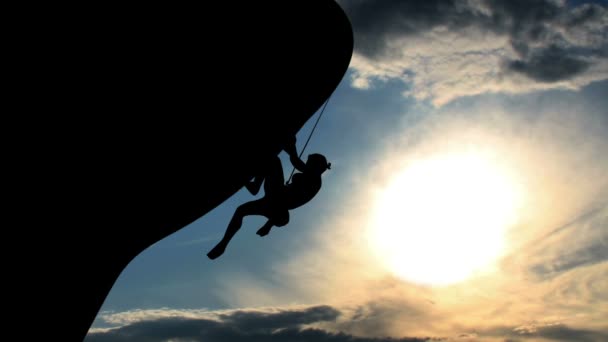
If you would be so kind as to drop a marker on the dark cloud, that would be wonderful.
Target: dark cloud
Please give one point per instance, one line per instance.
(549, 65)
(377, 21)
(564, 333)
(253, 320)
(291, 325)
(587, 13)
(522, 19)
(537, 29)
(553, 332)
(249, 326)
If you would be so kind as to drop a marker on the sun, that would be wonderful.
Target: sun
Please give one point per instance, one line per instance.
(443, 218)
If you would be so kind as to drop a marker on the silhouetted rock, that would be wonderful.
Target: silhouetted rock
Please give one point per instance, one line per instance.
(156, 114)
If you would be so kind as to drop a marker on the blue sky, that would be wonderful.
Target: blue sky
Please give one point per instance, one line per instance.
(439, 96)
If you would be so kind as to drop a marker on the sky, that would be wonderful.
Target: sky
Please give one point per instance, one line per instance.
(467, 200)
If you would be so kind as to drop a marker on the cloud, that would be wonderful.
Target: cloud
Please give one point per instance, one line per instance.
(229, 326)
(565, 333)
(549, 331)
(549, 65)
(315, 323)
(375, 23)
(452, 48)
(257, 320)
(581, 242)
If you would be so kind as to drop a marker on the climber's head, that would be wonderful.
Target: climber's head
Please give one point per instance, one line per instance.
(317, 163)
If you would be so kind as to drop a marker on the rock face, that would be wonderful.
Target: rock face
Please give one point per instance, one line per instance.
(156, 115)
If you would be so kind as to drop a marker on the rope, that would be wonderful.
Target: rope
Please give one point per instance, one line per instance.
(310, 136)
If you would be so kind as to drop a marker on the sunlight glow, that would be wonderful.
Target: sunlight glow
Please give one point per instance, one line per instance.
(442, 219)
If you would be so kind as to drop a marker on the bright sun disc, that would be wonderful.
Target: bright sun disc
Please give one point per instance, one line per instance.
(441, 219)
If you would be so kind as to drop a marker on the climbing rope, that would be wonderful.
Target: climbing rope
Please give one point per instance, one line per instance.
(309, 136)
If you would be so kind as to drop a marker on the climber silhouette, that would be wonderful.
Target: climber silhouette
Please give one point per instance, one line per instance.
(279, 197)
